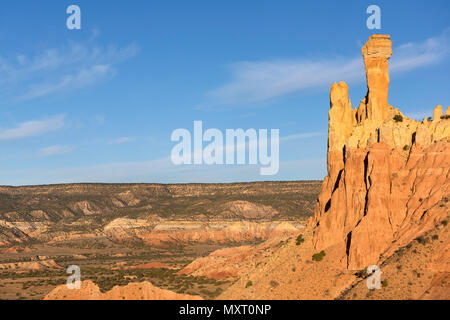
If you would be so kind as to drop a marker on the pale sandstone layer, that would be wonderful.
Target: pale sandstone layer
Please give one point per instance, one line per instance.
(166, 233)
(132, 291)
(30, 265)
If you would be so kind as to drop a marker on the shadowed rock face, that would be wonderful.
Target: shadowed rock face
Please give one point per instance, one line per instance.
(388, 175)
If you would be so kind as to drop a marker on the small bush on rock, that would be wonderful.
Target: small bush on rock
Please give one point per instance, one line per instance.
(318, 256)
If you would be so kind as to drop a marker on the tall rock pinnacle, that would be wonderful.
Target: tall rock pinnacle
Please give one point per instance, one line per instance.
(387, 174)
(377, 52)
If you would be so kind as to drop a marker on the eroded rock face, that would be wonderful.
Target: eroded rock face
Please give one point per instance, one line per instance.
(166, 233)
(388, 175)
(30, 265)
(247, 210)
(132, 291)
(377, 52)
(230, 263)
(385, 201)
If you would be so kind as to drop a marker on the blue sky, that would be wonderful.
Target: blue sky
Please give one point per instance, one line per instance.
(99, 104)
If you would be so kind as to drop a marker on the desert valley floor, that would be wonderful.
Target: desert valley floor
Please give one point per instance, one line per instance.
(120, 234)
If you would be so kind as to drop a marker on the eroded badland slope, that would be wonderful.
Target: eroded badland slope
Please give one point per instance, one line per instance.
(155, 215)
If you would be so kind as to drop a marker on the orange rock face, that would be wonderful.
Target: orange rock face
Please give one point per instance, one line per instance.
(230, 263)
(133, 291)
(388, 176)
(377, 52)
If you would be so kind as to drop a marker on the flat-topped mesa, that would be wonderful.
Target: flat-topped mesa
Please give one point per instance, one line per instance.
(376, 52)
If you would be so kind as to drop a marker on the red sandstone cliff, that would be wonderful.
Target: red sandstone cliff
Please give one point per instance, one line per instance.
(385, 202)
(388, 175)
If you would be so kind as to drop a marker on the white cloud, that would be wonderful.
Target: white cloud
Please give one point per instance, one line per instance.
(261, 81)
(75, 81)
(302, 136)
(55, 150)
(122, 140)
(32, 128)
(413, 55)
(69, 67)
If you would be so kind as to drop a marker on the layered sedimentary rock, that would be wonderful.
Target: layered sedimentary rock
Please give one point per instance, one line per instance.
(230, 263)
(64, 213)
(385, 201)
(388, 175)
(167, 233)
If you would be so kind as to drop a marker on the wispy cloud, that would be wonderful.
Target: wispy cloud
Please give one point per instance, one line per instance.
(123, 140)
(55, 150)
(265, 80)
(299, 136)
(69, 67)
(413, 55)
(32, 128)
(261, 81)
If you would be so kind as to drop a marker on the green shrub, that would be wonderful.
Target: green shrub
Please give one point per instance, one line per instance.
(249, 284)
(318, 256)
(299, 240)
(398, 118)
(384, 283)
(405, 147)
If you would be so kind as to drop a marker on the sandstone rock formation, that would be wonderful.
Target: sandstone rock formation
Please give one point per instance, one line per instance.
(247, 210)
(93, 212)
(166, 233)
(132, 291)
(376, 52)
(230, 263)
(30, 265)
(385, 201)
(388, 175)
